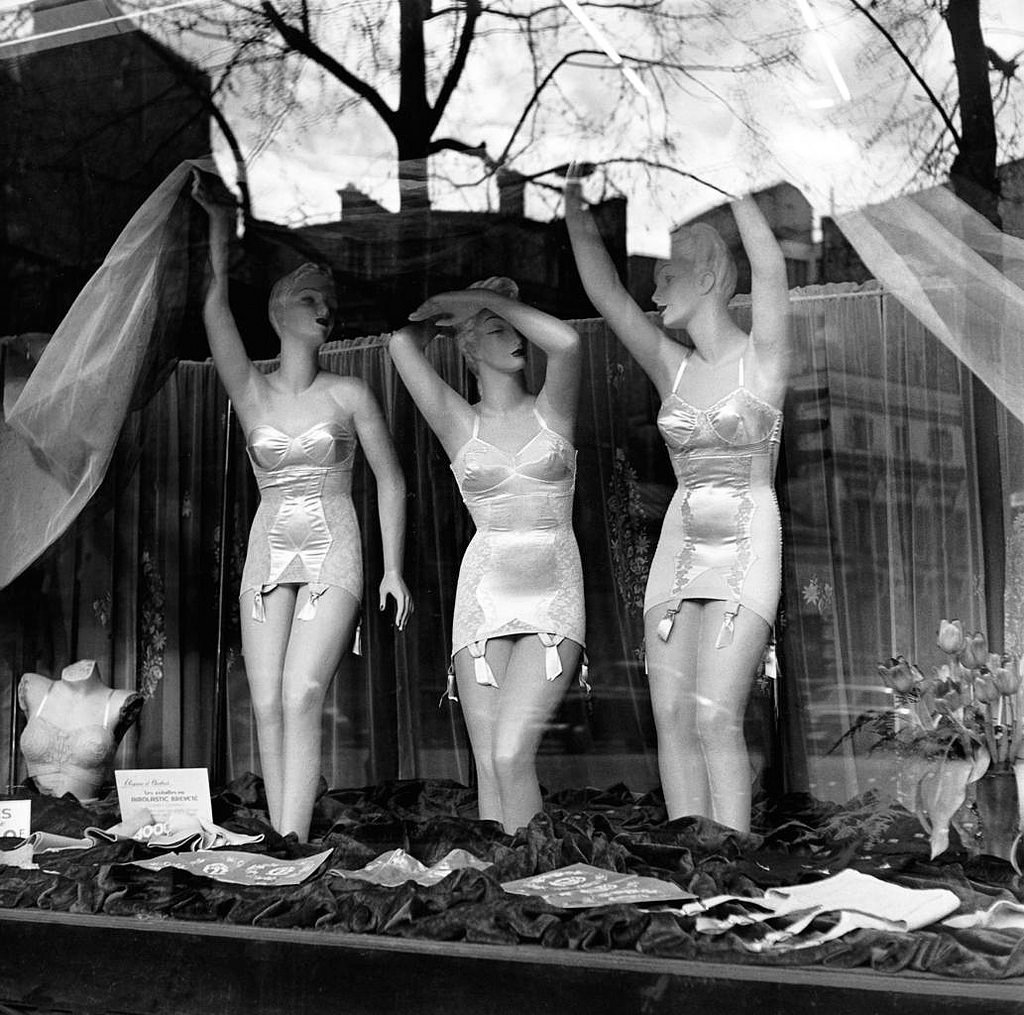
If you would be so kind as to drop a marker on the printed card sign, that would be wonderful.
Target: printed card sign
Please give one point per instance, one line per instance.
(164, 793)
(15, 819)
(580, 886)
(239, 868)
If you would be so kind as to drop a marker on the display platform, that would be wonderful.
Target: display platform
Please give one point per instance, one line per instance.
(89, 930)
(67, 963)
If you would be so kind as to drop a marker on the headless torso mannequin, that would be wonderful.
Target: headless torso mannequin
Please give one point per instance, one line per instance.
(73, 726)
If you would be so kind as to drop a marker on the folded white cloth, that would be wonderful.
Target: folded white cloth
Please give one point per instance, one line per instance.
(857, 900)
(1002, 915)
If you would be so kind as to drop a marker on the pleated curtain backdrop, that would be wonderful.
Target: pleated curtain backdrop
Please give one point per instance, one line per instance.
(881, 539)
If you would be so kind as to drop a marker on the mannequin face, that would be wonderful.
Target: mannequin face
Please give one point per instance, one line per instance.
(305, 306)
(679, 289)
(496, 344)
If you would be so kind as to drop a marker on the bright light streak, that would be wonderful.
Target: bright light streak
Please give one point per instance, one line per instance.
(814, 27)
(573, 7)
(57, 32)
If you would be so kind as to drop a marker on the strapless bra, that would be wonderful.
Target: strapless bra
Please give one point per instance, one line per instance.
(325, 444)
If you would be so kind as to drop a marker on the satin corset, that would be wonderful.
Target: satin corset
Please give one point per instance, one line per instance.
(295, 476)
(528, 490)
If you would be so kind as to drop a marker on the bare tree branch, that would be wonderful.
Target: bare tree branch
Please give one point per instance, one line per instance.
(454, 74)
(303, 44)
(898, 50)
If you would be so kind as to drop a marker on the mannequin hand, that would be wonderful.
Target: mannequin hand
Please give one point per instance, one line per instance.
(574, 173)
(393, 585)
(453, 308)
(212, 196)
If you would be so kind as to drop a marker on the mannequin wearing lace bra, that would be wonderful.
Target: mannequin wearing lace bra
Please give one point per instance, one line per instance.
(714, 583)
(73, 727)
(302, 583)
(518, 624)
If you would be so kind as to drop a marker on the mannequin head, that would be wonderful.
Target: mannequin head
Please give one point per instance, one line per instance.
(701, 268)
(488, 337)
(304, 303)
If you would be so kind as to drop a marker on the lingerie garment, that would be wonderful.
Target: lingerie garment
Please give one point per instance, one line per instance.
(305, 530)
(521, 572)
(60, 757)
(721, 537)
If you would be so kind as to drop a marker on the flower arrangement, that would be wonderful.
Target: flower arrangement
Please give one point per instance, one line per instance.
(951, 728)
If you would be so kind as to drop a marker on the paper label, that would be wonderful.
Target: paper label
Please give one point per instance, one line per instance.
(15, 819)
(580, 886)
(164, 792)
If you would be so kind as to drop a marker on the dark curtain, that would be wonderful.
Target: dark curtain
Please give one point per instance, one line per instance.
(878, 494)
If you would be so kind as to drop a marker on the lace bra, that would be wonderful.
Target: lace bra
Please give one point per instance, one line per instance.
(86, 747)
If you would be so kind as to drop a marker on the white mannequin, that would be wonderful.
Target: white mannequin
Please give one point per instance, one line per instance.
(703, 652)
(73, 726)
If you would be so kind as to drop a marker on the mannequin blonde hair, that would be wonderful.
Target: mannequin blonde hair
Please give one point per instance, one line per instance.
(465, 334)
(702, 248)
(305, 276)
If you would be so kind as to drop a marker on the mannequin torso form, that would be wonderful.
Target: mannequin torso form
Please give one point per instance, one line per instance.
(73, 726)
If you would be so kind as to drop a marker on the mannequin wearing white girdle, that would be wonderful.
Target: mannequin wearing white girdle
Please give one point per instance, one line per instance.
(714, 583)
(302, 582)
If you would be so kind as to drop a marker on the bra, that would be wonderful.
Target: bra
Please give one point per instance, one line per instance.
(87, 747)
(328, 444)
(547, 457)
(737, 419)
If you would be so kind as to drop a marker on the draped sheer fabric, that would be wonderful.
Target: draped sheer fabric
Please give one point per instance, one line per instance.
(107, 355)
(959, 275)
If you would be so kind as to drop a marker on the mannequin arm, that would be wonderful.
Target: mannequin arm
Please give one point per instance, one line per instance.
(233, 365)
(447, 413)
(769, 292)
(375, 440)
(557, 340)
(656, 353)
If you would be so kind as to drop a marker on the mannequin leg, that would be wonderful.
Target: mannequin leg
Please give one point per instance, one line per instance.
(672, 673)
(724, 679)
(264, 644)
(480, 709)
(527, 701)
(315, 649)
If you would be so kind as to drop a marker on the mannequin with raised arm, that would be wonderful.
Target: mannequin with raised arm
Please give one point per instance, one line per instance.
(302, 582)
(518, 623)
(714, 583)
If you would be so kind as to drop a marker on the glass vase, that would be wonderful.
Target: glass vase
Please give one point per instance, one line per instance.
(998, 812)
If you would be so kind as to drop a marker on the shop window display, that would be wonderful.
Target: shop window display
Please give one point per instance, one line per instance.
(733, 453)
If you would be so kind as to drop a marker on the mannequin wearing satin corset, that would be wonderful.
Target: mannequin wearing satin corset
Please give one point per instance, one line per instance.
(303, 581)
(72, 729)
(518, 625)
(714, 583)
